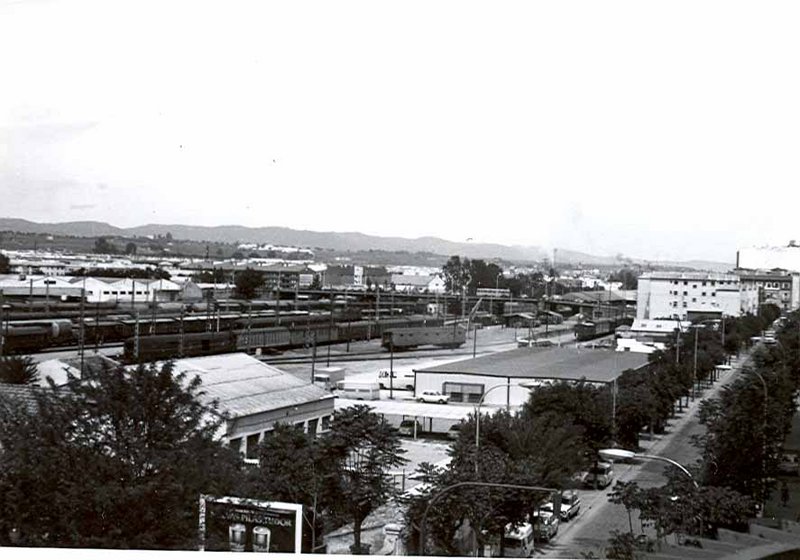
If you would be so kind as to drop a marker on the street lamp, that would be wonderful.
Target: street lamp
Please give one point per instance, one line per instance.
(624, 454)
(527, 385)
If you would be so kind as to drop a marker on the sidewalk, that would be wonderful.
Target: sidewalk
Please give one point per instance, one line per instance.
(591, 529)
(659, 442)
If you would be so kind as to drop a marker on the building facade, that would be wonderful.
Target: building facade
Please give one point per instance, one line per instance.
(690, 295)
(777, 287)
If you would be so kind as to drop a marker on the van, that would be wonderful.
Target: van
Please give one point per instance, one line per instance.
(359, 391)
(397, 380)
(519, 542)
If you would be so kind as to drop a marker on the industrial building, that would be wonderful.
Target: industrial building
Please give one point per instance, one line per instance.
(252, 395)
(519, 370)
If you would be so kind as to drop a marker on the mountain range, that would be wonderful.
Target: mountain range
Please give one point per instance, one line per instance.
(338, 241)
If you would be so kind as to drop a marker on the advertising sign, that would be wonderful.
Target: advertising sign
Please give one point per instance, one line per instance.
(243, 525)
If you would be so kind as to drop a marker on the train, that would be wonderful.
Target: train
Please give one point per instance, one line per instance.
(267, 339)
(411, 337)
(587, 330)
(29, 336)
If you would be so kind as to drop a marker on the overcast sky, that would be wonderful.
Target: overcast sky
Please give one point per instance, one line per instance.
(661, 130)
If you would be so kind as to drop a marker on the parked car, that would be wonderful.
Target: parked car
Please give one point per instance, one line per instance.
(570, 504)
(599, 476)
(454, 432)
(433, 397)
(407, 428)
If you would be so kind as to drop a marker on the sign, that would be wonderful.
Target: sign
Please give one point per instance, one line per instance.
(243, 525)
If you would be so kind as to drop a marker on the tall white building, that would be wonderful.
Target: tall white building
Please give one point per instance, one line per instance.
(689, 295)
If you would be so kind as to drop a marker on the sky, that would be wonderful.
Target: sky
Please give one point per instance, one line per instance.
(658, 130)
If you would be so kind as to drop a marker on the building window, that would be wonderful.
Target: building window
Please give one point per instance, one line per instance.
(326, 423)
(713, 294)
(463, 392)
(704, 283)
(252, 446)
(684, 304)
(686, 293)
(685, 283)
(312, 427)
(694, 300)
(236, 444)
(704, 294)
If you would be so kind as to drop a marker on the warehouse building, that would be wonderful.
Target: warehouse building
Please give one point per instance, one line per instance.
(254, 396)
(517, 371)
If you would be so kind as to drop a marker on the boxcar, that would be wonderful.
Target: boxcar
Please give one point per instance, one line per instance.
(169, 346)
(405, 338)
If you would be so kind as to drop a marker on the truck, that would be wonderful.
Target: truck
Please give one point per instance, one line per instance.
(328, 377)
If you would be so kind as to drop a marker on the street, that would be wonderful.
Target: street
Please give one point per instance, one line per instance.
(590, 531)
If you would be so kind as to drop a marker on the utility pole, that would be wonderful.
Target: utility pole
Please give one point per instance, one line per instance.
(181, 348)
(81, 332)
(694, 371)
(2, 317)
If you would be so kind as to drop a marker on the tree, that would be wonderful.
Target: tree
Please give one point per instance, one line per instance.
(292, 469)
(5, 264)
(248, 283)
(539, 451)
(456, 274)
(130, 248)
(102, 245)
(629, 278)
(18, 371)
(360, 450)
(121, 441)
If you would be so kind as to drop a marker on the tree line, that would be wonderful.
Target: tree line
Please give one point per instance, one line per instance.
(119, 458)
(559, 432)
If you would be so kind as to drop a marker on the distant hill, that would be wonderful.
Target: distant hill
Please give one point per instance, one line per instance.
(335, 241)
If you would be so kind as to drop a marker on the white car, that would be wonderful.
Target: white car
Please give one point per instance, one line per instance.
(433, 397)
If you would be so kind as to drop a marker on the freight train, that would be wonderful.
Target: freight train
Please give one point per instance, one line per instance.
(29, 336)
(265, 340)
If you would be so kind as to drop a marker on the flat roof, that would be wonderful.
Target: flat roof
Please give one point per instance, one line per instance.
(568, 364)
(408, 407)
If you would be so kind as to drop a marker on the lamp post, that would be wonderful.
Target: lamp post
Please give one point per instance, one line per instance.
(625, 454)
(478, 417)
(446, 489)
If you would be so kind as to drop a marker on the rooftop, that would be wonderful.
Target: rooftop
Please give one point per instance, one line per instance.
(243, 385)
(568, 364)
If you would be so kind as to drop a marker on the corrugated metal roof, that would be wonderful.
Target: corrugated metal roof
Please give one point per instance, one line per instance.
(598, 366)
(243, 385)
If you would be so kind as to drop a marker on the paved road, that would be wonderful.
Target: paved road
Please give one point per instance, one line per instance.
(591, 530)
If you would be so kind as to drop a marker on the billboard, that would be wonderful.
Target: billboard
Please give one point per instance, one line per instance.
(243, 525)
